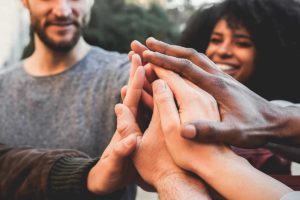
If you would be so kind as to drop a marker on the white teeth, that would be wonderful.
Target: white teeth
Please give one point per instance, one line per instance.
(224, 67)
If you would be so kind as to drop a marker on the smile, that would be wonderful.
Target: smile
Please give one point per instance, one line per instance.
(227, 68)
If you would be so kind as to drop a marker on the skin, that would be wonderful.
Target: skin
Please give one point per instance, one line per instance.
(247, 120)
(232, 50)
(215, 163)
(57, 34)
(162, 173)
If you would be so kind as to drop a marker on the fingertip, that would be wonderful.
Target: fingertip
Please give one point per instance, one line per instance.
(133, 43)
(150, 39)
(118, 109)
(189, 131)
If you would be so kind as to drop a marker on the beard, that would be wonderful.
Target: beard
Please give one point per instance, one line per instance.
(65, 46)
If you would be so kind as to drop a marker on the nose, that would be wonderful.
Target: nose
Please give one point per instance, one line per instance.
(225, 50)
(62, 8)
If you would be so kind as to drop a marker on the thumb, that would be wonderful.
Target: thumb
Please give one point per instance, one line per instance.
(208, 131)
(124, 148)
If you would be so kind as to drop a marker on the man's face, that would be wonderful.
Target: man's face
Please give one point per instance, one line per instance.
(59, 23)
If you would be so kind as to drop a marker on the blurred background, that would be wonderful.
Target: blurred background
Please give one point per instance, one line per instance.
(114, 24)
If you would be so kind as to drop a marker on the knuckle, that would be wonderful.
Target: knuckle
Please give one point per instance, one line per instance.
(164, 97)
(123, 128)
(186, 62)
(171, 127)
(220, 83)
(192, 53)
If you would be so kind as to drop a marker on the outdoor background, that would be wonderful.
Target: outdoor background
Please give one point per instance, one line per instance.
(114, 24)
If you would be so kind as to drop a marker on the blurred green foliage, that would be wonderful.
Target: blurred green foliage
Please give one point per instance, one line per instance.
(114, 24)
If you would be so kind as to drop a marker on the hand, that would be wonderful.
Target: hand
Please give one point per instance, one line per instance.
(248, 120)
(188, 99)
(162, 171)
(115, 169)
(215, 163)
(155, 165)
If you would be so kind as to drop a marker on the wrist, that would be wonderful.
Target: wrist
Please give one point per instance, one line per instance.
(167, 176)
(207, 170)
(181, 186)
(287, 125)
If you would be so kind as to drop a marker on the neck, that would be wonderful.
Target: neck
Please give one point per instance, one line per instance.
(46, 62)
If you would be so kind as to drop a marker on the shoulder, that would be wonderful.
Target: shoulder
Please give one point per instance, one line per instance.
(105, 58)
(11, 68)
(8, 72)
(106, 64)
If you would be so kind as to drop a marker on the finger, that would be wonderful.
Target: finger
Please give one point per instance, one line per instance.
(130, 54)
(209, 131)
(208, 82)
(177, 85)
(138, 47)
(147, 99)
(147, 86)
(126, 123)
(181, 52)
(134, 90)
(166, 106)
(123, 92)
(135, 63)
(123, 149)
(150, 74)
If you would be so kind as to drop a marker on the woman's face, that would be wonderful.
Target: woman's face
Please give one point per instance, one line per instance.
(232, 50)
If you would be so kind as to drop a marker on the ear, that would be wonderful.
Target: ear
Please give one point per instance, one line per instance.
(25, 3)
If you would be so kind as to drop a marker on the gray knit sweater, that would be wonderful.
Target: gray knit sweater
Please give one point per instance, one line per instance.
(73, 110)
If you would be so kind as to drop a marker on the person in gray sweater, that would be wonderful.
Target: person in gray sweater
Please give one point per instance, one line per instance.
(61, 97)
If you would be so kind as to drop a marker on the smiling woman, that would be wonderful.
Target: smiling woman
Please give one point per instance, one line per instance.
(255, 41)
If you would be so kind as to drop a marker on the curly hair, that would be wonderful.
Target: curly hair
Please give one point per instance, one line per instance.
(274, 27)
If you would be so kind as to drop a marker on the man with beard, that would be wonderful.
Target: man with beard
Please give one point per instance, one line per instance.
(62, 96)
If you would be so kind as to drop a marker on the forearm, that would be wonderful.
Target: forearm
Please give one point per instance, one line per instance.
(288, 130)
(43, 174)
(182, 187)
(234, 178)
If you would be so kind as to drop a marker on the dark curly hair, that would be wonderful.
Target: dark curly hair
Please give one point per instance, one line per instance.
(274, 26)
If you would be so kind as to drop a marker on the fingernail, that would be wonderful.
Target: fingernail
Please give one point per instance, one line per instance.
(130, 140)
(159, 86)
(118, 109)
(189, 131)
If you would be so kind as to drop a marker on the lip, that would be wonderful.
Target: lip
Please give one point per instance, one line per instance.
(61, 27)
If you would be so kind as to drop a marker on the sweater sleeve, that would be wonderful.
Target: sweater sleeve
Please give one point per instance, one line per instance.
(39, 174)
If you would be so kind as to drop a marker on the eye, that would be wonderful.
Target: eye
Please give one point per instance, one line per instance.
(215, 40)
(244, 43)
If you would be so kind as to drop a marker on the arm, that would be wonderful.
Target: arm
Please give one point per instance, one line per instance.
(64, 174)
(248, 120)
(27, 173)
(229, 174)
